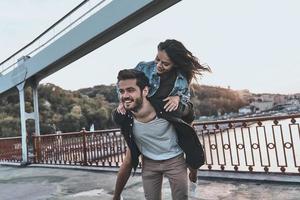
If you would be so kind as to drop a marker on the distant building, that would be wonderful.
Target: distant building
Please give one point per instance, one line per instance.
(297, 96)
(267, 97)
(245, 110)
(293, 102)
(262, 105)
(279, 99)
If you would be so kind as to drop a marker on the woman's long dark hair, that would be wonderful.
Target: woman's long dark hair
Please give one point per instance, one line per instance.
(183, 59)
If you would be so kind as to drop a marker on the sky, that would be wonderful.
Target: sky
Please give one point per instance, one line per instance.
(248, 44)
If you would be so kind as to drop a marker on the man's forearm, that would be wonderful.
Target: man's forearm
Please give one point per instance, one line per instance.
(122, 178)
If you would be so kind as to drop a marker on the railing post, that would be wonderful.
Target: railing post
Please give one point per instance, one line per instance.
(37, 148)
(84, 146)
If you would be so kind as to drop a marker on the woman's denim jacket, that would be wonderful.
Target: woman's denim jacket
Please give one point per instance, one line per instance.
(181, 87)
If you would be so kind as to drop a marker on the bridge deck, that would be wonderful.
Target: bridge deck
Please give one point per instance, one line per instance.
(45, 183)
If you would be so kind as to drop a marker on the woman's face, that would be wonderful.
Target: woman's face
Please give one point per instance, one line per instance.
(163, 62)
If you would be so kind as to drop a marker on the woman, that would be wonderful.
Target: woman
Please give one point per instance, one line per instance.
(170, 75)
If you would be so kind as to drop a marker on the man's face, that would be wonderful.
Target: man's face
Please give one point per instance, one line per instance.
(130, 94)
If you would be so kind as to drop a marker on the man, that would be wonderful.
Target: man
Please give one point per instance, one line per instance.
(161, 138)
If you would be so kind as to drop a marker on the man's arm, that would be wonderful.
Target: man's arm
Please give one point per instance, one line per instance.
(123, 175)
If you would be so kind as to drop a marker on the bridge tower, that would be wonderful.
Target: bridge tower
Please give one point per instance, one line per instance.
(23, 114)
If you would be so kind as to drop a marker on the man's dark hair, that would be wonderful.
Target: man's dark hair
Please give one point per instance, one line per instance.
(141, 79)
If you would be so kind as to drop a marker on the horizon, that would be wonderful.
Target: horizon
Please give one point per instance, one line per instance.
(248, 45)
(215, 86)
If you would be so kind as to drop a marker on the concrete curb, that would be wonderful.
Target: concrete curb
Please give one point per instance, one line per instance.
(202, 174)
(73, 167)
(10, 164)
(244, 176)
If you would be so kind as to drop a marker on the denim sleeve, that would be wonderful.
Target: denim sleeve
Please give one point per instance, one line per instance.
(184, 95)
(140, 66)
(185, 104)
(181, 89)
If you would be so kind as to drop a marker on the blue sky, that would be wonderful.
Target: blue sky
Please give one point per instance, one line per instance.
(249, 44)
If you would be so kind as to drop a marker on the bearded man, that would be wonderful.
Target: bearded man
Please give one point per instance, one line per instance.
(168, 145)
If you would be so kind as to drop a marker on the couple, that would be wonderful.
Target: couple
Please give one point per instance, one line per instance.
(154, 116)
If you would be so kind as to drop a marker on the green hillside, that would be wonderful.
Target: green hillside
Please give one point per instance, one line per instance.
(67, 111)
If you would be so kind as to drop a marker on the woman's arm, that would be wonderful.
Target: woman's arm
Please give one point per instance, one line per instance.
(184, 94)
(119, 118)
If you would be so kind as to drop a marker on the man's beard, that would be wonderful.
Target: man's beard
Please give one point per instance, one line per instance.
(138, 104)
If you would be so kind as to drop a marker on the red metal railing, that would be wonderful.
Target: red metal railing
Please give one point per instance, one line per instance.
(100, 148)
(11, 149)
(266, 144)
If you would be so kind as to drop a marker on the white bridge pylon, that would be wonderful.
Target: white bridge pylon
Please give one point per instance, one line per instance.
(109, 22)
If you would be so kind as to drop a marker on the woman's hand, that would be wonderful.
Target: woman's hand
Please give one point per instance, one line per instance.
(121, 109)
(172, 103)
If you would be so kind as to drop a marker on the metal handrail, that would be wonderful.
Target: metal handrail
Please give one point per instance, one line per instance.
(75, 133)
(252, 119)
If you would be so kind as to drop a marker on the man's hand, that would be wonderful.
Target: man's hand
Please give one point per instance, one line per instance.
(117, 198)
(121, 109)
(123, 176)
(172, 103)
(193, 175)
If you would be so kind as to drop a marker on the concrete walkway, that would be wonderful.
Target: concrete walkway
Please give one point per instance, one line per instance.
(59, 184)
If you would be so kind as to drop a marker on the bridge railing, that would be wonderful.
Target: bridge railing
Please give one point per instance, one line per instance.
(100, 148)
(11, 149)
(265, 144)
